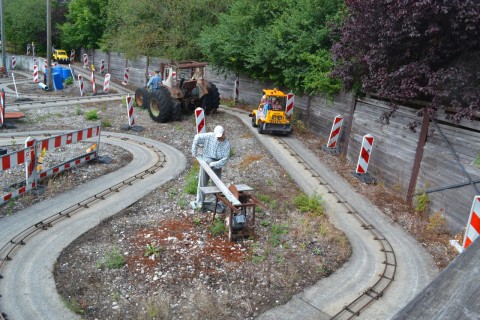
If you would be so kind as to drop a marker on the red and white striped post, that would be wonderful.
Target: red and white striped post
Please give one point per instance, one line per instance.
(72, 55)
(34, 61)
(131, 117)
(125, 76)
(236, 88)
(14, 62)
(94, 88)
(365, 153)
(45, 65)
(35, 73)
(28, 49)
(102, 66)
(200, 120)
(85, 60)
(106, 83)
(30, 172)
(80, 84)
(473, 226)
(290, 104)
(335, 132)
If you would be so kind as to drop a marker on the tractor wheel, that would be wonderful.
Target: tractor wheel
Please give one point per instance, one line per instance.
(160, 105)
(211, 100)
(141, 97)
(261, 127)
(176, 108)
(254, 121)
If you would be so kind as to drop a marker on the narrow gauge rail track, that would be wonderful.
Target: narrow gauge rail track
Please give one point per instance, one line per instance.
(25, 105)
(387, 276)
(20, 239)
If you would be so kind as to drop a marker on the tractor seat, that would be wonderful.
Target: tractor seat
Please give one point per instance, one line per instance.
(189, 85)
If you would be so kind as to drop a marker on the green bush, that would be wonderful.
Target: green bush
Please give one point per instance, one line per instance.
(91, 115)
(69, 81)
(421, 203)
(218, 227)
(313, 204)
(114, 259)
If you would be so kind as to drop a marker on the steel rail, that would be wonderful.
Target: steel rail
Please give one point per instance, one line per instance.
(20, 239)
(65, 101)
(373, 293)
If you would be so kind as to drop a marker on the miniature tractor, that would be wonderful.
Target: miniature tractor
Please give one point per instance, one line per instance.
(183, 89)
(267, 117)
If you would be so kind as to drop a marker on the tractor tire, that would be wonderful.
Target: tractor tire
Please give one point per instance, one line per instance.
(160, 105)
(211, 101)
(176, 108)
(141, 97)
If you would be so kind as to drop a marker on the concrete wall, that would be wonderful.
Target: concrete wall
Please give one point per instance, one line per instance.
(394, 147)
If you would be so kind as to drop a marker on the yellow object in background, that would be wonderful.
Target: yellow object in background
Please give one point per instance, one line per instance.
(40, 159)
(93, 147)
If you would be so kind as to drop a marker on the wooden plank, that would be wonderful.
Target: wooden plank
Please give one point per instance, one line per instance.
(215, 189)
(223, 188)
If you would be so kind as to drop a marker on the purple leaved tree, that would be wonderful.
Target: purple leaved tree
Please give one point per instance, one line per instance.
(413, 50)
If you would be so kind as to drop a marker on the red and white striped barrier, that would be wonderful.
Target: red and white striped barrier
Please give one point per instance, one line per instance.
(236, 89)
(365, 153)
(290, 104)
(125, 76)
(35, 73)
(94, 88)
(102, 66)
(81, 86)
(66, 139)
(131, 117)
(34, 61)
(45, 65)
(72, 55)
(12, 160)
(106, 83)
(473, 226)
(14, 62)
(85, 60)
(335, 132)
(200, 120)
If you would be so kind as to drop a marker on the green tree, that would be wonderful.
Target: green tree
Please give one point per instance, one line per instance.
(85, 23)
(284, 41)
(166, 28)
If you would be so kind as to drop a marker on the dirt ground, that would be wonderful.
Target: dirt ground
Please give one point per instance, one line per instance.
(160, 260)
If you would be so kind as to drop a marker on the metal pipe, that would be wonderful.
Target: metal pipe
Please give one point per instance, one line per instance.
(452, 186)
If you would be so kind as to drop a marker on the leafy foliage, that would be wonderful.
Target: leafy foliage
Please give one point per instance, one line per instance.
(283, 41)
(85, 23)
(25, 22)
(413, 50)
(163, 28)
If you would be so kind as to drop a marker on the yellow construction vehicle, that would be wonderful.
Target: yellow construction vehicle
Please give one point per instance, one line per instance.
(270, 115)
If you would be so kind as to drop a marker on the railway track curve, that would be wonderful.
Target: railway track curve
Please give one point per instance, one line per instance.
(378, 261)
(27, 273)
